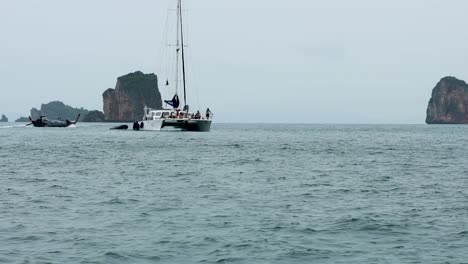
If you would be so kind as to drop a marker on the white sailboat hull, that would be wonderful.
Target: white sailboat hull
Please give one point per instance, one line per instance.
(152, 125)
(197, 125)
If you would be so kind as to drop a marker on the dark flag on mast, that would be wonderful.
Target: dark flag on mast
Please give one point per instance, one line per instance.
(175, 102)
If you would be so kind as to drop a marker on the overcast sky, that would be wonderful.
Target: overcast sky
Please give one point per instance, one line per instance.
(334, 61)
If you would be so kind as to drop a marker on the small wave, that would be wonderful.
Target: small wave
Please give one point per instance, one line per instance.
(342, 190)
(462, 233)
(215, 252)
(143, 257)
(6, 260)
(181, 174)
(36, 180)
(229, 260)
(14, 126)
(308, 252)
(238, 246)
(309, 185)
(12, 228)
(113, 201)
(248, 161)
(308, 230)
(115, 255)
(210, 239)
(363, 224)
(163, 242)
(24, 239)
(38, 201)
(120, 201)
(162, 209)
(273, 229)
(56, 186)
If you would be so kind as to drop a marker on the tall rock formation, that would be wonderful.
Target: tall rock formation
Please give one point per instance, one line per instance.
(132, 93)
(4, 119)
(449, 102)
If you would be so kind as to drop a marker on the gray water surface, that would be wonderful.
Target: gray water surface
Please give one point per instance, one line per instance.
(239, 194)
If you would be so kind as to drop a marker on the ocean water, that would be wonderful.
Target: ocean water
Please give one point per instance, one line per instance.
(240, 194)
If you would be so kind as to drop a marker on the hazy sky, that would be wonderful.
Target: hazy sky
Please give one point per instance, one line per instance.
(334, 61)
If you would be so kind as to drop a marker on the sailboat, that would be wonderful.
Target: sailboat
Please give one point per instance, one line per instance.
(173, 117)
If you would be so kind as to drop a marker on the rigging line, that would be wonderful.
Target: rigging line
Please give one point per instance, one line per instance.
(191, 61)
(177, 51)
(171, 55)
(163, 56)
(172, 64)
(183, 53)
(168, 55)
(193, 75)
(162, 52)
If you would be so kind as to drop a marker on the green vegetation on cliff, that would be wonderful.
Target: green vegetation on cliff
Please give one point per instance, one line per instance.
(94, 116)
(58, 110)
(22, 119)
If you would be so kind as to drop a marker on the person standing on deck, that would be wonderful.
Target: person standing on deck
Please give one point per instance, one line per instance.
(208, 113)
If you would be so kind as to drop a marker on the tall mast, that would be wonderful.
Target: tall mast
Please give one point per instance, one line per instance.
(177, 51)
(183, 53)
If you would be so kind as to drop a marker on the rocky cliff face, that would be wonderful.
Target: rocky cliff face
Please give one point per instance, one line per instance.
(4, 119)
(132, 93)
(111, 108)
(449, 102)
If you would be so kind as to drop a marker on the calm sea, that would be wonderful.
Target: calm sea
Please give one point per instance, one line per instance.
(240, 194)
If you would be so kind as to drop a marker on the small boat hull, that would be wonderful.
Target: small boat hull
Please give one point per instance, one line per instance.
(42, 121)
(121, 127)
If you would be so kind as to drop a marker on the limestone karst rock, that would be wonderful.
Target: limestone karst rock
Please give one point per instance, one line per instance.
(449, 102)
(132, 93)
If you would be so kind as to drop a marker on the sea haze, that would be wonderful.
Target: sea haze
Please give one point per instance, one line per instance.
(239, 194)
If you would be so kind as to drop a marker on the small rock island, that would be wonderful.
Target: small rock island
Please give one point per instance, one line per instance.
(22, 119)
(59, 110)
(94, 116)
(4, 119)
(449, 102)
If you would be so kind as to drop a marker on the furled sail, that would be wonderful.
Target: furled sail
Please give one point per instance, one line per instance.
(175, 102)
